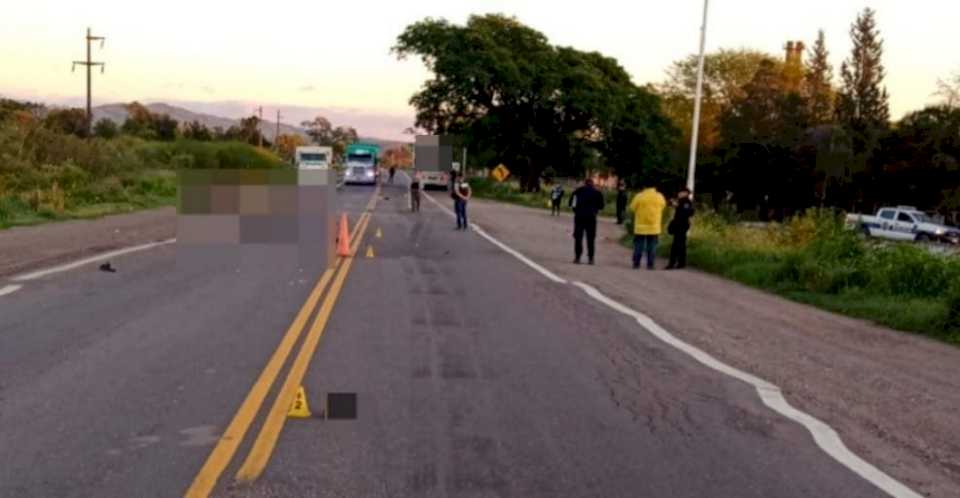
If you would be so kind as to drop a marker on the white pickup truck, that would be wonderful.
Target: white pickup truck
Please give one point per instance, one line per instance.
(903, 223)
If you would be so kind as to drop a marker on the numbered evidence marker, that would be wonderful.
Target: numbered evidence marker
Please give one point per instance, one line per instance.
(299, 408)
(369, 251)
(500, 173)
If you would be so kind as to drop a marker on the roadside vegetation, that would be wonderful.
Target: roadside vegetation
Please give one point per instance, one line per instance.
(510, 191)
(49, 169)
(813, 259)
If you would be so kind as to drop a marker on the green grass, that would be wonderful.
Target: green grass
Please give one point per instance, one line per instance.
(812, 259)
(509, 191)
(46, 176)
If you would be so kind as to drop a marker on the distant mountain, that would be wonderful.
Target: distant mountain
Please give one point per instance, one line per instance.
(118, 114)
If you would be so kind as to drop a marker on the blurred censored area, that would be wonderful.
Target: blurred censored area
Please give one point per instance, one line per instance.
(283, 218)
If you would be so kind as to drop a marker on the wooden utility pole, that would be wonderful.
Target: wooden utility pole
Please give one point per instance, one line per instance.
(89, 64)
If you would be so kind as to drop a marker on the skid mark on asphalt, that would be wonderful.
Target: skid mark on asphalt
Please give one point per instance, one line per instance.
(825, 437)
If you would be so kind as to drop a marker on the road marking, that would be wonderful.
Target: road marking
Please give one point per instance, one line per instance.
(9, 289)
(266, 441)
(218, 460)
(509, 250)
(227, 446)
(93, 259)
(823, 435)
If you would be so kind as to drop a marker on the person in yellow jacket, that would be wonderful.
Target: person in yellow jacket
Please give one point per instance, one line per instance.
(647, 207)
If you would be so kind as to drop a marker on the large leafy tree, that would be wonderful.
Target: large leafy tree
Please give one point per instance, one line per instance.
(515, 98)
(322, 132)
(761, 136)
(725, 74)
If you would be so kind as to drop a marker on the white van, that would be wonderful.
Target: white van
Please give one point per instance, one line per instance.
(313, 157)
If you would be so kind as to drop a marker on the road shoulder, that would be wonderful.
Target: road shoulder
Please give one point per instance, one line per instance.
(891, 396)
(29, 248)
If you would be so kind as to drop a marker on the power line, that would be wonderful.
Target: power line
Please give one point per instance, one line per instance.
(89, 64)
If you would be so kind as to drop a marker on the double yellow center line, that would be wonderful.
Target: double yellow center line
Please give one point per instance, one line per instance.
(263, 446)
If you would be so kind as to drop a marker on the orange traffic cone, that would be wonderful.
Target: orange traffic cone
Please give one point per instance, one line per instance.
(343, 240)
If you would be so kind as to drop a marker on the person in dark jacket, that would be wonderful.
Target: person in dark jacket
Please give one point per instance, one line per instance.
(621, 202)
(678, 228)
(556, 198)
(586, 202)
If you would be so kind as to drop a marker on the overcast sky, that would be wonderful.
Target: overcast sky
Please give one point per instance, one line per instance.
(336, 53)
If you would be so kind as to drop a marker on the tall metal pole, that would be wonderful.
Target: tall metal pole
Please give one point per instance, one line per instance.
(695, 134)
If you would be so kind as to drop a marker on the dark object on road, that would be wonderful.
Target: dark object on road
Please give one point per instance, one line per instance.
(107, 268)
(679, 227)
(342, 406)
(586, 202)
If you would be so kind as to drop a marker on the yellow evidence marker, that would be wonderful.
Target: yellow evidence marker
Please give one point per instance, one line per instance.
(369, 251)
(299, 408)
(379, 233)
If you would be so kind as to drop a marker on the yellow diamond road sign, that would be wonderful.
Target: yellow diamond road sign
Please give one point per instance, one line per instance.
(500, 173)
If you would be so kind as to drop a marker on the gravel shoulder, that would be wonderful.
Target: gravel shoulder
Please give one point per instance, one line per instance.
(27, 248)
(893, 397)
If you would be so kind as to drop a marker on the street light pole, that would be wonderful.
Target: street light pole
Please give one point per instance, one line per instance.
(691, 170)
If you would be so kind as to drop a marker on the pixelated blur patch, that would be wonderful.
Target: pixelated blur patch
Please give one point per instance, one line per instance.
(342, 406)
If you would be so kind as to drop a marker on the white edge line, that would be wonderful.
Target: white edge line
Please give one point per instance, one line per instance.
(543, 271)
(92, 259)
(825, 437)
(9, 289)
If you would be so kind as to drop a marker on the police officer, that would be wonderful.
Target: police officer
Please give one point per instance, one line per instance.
(679, 227)
(586, 202)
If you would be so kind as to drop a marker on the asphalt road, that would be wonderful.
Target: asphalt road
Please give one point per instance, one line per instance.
(475, 376)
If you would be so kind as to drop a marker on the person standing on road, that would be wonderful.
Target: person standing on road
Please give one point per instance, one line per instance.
(678, 227)
(393, 171)
(556, 197)
(463, 194)
(416, 185)
(586, 202)
(647, 207)
(621, 201)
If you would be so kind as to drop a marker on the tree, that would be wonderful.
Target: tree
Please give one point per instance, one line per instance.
(341, 137)
(105, 128)
(819, 83)
(320, 130)
(514, 98)
(139, 121)
(165, 127)
(949, 90)
(287, 145)
(725, 73)
(249, 131)
(921, 159)
(863, 101)
(71, 121)
(761, 137)
(196, 130)
(398, 157)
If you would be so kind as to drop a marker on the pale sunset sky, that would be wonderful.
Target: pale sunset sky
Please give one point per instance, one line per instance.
(335, 54)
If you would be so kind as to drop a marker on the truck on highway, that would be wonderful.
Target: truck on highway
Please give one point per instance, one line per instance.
(361, 163)
(433, 158)
(313, 157)
(903, 223)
